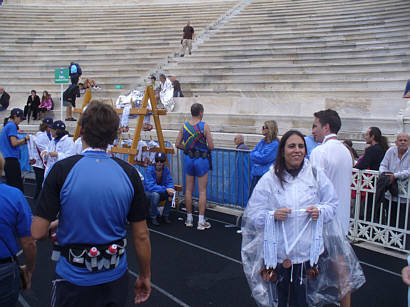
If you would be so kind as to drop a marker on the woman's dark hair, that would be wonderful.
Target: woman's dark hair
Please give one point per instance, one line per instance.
(43, 127)
(60, 133)
(280, 164)
(349, 145)
(99, 125)
(45, 96)
(5, 121)
(153, 77)
(33, 91)
(196, 109)
(382, 140)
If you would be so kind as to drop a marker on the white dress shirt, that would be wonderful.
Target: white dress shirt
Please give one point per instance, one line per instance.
(336, 162)
(391, 163)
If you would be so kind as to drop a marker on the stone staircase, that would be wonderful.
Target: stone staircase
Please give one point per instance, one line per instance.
(253, 61)
(115, 45)
(284, 60)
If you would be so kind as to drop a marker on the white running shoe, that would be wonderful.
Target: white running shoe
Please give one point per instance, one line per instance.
(189, 223)
(204, 225)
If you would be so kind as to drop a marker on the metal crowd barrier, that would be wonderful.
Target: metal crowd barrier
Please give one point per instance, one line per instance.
(384, 224)
(228, 181)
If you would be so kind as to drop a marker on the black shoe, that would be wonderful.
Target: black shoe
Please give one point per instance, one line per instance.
(182, 55)
(155, 222)
(189, 53)
(166, 220)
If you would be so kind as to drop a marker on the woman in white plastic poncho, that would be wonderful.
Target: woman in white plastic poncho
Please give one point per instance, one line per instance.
(291, 237)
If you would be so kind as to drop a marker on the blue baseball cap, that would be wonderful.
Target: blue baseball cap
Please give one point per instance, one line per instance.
(18, 112)
(58, 124)
(48, 120)
(160, 157)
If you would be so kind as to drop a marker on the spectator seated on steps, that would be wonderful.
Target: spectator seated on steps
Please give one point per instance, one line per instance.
(46, 104)
(31, 107)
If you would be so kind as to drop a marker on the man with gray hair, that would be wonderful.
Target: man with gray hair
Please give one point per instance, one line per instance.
(240, 142)
(396, 165)
(396, 161)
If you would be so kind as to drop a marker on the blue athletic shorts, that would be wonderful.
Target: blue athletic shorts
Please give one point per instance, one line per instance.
(196, 166)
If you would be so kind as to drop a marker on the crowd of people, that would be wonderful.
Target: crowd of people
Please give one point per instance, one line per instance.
(294, 226)
(92, 261)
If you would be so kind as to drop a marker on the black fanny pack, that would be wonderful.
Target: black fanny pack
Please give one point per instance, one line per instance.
(192, 153)
(92, 257)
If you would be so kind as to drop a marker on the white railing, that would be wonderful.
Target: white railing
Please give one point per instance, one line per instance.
(384, 224)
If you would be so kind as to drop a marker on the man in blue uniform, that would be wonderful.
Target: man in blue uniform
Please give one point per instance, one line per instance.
(9, 148)
(94, 195)
(159, 186)
(15, 220)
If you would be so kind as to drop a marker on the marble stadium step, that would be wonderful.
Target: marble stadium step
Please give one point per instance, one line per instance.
(280, 77)
(325, 10)
(319, 46)
(300, 95)
(254, 84)
(268, 57)
(307, 68)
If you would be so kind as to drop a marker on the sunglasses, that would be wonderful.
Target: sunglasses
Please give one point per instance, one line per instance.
(264, 127)
(162, 161)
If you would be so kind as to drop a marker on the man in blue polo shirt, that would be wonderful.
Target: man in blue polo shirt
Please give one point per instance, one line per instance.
(9, 148)
(94, 195)
(15, 221)
(159, 186)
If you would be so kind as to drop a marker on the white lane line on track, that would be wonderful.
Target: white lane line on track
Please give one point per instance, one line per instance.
(379, 268)
(209, 218)
(169, 295)
(195, 245)
(239, 262)
(22, 301)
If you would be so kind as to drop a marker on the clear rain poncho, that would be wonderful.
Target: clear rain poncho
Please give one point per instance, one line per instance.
(339, 269)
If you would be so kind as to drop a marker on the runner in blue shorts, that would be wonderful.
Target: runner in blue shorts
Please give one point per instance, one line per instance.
(196, 140)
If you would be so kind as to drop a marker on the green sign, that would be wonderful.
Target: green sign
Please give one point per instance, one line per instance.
(61, 75)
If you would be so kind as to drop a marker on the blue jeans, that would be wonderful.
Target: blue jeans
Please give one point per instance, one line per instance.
(9, 284)
(2, 108)
(154, 199)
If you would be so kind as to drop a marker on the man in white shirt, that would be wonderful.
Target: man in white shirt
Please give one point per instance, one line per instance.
(335, 160)
(396, 165)
(396, 161)
(166, 93)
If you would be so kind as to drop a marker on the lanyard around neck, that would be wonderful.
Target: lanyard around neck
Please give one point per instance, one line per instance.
(328, 137)
(288, 248)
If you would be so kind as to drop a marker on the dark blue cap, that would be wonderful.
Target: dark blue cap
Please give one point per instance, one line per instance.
(18, 112)
(58, 124)
(160, 157)
(48, 120)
